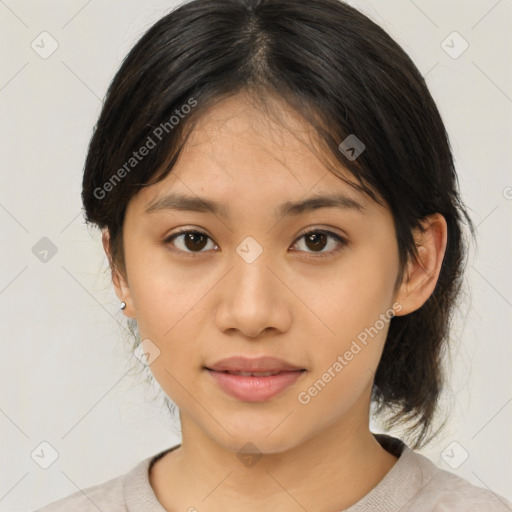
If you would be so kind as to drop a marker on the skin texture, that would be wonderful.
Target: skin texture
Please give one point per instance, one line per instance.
(291, 302)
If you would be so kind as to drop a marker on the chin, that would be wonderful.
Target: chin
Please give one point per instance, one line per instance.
(253, 438)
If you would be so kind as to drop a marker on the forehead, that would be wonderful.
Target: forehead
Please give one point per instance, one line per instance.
(239, 148)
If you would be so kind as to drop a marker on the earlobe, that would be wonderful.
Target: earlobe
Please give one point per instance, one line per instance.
(118, 280)
(421, 275)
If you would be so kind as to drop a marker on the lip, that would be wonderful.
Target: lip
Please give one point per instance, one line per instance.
(255, 388)
(254, 365)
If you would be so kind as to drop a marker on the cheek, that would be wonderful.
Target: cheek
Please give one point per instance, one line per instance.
(344, 364)
(354, 305)
(344, 300)
(165, 294)
(170, 313)
(170, 305)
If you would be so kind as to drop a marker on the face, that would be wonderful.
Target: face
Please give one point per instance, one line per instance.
(312, 285)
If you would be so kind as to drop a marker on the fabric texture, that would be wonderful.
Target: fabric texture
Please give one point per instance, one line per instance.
(414, 484)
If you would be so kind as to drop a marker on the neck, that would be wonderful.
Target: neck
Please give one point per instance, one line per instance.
(329, 471)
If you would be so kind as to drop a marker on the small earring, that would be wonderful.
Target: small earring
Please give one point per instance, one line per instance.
(123, 305)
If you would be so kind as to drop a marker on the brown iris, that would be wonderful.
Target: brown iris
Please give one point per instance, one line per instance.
(195, 241)
(316, 241)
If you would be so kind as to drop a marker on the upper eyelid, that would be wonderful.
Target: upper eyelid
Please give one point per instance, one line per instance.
(306, 232)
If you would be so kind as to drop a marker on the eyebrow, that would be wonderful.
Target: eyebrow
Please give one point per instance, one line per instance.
(203, 205)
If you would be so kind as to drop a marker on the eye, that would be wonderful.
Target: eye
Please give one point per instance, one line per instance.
(190, 241)
(316, 240)
(193, 241)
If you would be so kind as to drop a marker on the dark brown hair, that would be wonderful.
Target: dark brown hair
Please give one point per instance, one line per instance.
(344, 75)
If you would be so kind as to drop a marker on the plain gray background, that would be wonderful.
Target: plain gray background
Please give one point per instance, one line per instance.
(65, 372)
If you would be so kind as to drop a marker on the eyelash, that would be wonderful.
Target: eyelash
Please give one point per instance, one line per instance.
(341, 242)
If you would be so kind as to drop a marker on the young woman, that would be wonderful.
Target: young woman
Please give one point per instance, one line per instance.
(280, 210)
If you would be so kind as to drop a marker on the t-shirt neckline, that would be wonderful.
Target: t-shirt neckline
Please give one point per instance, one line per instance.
(394, 490)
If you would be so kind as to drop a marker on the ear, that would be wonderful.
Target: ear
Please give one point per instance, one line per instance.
(118, 279)
(420, 276)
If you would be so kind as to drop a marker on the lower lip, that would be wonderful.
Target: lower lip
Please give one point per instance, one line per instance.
(255, 389)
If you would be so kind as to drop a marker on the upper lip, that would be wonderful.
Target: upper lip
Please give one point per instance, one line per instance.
(247, 364)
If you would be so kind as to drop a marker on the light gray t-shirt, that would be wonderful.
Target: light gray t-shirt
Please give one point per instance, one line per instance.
(414, 484)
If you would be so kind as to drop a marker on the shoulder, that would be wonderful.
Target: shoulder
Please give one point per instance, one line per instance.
(105, 496)
(130, 491)
(442, 491)
(416, 484)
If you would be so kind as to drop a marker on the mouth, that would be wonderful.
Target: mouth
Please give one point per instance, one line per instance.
(254, 365)
(255, 386)
(253, 374)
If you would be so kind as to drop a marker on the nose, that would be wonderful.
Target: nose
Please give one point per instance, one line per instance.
(253, 299)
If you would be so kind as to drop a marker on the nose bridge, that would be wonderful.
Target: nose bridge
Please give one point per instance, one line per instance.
(251, 279)
(252, 300)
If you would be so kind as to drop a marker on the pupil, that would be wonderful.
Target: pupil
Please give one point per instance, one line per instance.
(191, 242)
(314, 239)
